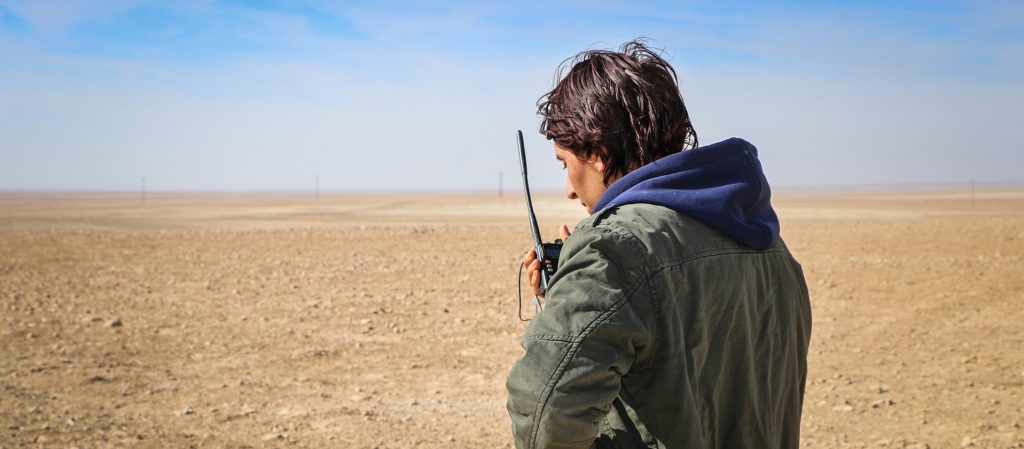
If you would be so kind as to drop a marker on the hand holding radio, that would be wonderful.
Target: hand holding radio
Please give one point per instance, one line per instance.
(533, 265)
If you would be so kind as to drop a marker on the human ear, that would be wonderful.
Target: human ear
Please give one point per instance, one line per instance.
(600, 160)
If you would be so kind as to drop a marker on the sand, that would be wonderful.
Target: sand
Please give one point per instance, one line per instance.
(389, 320)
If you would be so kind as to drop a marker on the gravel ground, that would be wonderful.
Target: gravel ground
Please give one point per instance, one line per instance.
(389, 321)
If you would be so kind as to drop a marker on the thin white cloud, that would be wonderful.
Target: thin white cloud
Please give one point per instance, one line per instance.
(429, 99)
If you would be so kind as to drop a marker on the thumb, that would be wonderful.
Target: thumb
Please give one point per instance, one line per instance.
(564, 231)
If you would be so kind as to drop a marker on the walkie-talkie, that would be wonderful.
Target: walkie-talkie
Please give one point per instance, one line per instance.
(547, 253)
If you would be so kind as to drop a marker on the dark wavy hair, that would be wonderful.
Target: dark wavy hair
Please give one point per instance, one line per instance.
(623, 106)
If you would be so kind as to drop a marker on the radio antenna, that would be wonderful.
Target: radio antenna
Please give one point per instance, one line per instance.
(537, 241)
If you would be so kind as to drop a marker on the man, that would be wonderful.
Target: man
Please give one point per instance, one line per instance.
(677, 317)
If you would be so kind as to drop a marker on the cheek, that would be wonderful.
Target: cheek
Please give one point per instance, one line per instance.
(575, 179)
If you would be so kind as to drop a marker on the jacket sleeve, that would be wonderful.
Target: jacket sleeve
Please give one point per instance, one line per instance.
(577, 350)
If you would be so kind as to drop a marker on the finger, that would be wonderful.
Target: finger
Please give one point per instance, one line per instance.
(535, 280)
(530, 256)
(534, 267)
(564, 231)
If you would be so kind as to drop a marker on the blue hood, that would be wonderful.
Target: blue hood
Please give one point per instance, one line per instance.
(721, 185)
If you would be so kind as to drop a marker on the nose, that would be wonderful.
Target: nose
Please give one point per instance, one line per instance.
(569, 191)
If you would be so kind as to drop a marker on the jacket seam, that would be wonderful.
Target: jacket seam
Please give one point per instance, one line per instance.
(574, 346)
(548, 337)
(705, 254)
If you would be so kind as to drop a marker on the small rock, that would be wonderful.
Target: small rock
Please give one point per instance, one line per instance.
(116, 322)
(92, 319)
(187, 411)
(966, 441)
(273, 436)
(846, 406)
(882, 402)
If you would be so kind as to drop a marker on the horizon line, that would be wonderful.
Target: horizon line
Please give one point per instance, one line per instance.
(518, 190)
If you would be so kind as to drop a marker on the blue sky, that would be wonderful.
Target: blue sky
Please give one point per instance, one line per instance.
(411, 96)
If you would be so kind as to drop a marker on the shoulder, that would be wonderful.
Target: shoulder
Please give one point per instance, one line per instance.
(600, 268)
(658, 235)
(640, 221)
(657, 227)
(617, 238)
(621, 236)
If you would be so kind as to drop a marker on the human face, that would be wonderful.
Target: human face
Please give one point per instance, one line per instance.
(584, 179)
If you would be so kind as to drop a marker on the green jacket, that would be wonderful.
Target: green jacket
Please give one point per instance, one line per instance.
(659, 331)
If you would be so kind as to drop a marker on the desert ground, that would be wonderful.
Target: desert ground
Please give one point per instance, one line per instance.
(390, 320)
